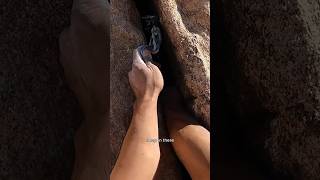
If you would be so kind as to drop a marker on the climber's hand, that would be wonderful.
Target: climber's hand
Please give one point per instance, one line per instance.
(145, 79)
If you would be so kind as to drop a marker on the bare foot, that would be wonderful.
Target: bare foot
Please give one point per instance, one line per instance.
(84, 57)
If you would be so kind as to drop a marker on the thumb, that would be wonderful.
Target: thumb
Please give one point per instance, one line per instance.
(137, 60)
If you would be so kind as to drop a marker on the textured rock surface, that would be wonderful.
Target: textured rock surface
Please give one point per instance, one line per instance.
(126, 35)
(187, 24)
(276, 53)
(38, 114)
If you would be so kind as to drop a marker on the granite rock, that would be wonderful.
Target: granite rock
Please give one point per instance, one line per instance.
(187, 25)
(126, 35)
(273, 79)
(38, 112)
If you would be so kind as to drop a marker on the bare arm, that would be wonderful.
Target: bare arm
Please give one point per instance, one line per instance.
(139, 158)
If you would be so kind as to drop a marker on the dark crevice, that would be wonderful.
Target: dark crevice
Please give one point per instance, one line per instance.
(170, 67)
(166, 57)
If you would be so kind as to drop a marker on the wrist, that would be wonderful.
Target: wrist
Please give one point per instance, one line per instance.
(145, 103)
(147, 100)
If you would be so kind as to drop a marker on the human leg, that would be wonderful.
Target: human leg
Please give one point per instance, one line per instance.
(191, 140)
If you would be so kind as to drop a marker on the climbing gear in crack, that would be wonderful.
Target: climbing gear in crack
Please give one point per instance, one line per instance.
(152, 31)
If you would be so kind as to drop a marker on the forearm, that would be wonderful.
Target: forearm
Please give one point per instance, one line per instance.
(144, 121)
(137, 152)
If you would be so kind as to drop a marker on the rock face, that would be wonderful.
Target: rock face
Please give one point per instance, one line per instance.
(126, 35)
(37, 110)
(38, 113)
(187, 24)
(275, 49)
